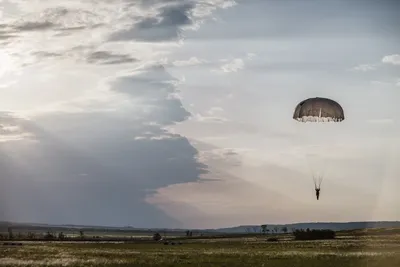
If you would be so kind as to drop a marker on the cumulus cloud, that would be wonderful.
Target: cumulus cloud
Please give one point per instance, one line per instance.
(232, 66)
(165, 26)
(171, 18)
(98, 107)
(48, 172)
(126, 151)
(152, 89)
(391, 59)
(48, 29)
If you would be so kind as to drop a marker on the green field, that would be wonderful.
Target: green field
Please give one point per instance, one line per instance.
(346, 250)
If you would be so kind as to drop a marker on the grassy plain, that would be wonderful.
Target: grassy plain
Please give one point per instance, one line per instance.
(349, 249)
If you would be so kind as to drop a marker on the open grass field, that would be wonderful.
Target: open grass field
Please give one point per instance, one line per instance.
(345, 251)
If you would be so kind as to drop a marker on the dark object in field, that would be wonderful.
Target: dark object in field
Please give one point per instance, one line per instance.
(157, 237)
(272, 239)
(12, 244)
(172, 243)
(313, 234)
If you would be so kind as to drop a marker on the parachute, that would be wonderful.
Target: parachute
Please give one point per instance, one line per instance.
(318, 110)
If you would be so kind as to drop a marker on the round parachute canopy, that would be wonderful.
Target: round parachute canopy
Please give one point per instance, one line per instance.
(318, 109)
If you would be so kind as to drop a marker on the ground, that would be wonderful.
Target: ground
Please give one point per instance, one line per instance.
(349, 249)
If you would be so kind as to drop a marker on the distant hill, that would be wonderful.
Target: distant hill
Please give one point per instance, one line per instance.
(336, 226)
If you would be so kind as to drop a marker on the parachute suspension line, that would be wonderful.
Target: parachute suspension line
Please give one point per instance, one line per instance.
(317, 166)
(319, 116)
(315, 182)
(318, 181)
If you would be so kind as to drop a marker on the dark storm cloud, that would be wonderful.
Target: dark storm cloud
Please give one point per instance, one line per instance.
(166, 26)
(154, 87)
(96, 168)
(89, 168)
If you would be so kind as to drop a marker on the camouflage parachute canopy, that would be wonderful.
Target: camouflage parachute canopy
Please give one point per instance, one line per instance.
(318, 109)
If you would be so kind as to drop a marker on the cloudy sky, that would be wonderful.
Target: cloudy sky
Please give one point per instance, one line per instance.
(178, 113)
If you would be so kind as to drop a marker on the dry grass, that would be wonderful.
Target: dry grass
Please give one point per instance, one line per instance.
(347, 251)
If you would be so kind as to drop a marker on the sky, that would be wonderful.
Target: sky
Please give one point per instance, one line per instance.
(166, 113)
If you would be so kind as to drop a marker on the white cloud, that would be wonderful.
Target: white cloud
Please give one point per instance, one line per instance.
(205, 8)
(190, 62)
(10, 130)
(214, 110)
(16, 137)
(391, 59)
(250, 55)
(157, 137)
(365, 67)
(213, 119)
(232, 66)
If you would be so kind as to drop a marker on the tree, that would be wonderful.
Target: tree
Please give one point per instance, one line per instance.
(313, 234)
(10, 233)
(49, 235)
(189, 233)
(61, 236)
(264, 228)
(81, 234)
(284, 229)
(157, 237)
(31, 235)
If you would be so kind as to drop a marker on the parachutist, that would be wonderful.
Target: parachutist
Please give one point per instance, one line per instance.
(317, 192)
(319, 110)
